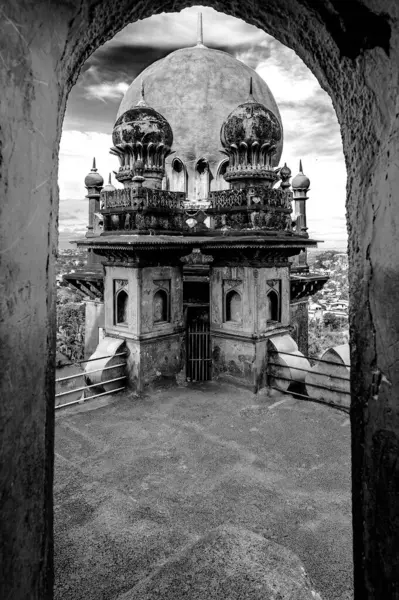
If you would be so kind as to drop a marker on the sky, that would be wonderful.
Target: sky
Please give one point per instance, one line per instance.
(311, 130)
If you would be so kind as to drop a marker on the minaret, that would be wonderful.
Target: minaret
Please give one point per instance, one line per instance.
(94, 183)
(300, 187)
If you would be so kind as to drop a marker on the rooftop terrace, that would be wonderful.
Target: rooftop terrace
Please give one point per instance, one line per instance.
(139, 480)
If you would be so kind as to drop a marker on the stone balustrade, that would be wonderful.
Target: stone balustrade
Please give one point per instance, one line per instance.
(255, 207)
(143, 210)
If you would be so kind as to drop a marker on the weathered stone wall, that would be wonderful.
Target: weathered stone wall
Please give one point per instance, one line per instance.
(155, 360)
(156, 349)
(353, 49)
(141, 285)
(242, 361)
(253, 285)
(299, 321)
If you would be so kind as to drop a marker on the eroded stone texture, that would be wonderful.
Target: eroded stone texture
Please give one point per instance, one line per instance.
(228, 563)
(352, 48)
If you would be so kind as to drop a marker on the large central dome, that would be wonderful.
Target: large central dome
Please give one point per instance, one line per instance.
(196, 89)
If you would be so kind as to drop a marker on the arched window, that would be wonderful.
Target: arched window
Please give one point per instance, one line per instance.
(161, 306)
(179, 176)
(274, 306)
(220, 183)
(122, 300)
(233, 306)
(202, 179)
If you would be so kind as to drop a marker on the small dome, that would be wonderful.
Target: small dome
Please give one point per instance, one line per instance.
(142, 124)
(94, 179)
(109, 187)
(251, 122)
(300, 181)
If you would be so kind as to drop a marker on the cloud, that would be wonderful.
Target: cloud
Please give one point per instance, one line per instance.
(107, 91)
(77, 150)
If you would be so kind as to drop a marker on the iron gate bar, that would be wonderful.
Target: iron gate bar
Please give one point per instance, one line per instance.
(90, 397)
(322, 387)
(307, 370)
(198, 351)
(311, 399)
(90, 386)
(328, 362)
(79, 362)
(83, 373)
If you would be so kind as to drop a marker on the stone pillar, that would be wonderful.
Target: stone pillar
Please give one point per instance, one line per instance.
(248, 305)
(144, 306)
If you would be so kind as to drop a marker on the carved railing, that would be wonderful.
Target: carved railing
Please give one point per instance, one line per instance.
(255, 207)
(255, 195)
(142, 198)
(144, 210)
(161, 211)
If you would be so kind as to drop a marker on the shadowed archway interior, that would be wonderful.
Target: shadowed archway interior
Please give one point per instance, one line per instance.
(353, 49)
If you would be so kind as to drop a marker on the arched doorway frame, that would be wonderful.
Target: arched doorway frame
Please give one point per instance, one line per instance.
(354, 54)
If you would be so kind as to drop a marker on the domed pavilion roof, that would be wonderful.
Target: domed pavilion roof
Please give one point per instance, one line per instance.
(142, 124)
(196, 89)
(251, 122)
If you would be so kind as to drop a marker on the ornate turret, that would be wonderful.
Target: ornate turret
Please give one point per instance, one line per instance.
(300, 187)
(285, 174)
(250, 136)
(94, 183)
(93, 180)
(142, 134)
(300, 183)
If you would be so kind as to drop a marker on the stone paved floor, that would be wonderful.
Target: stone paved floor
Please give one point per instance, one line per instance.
(137, 479)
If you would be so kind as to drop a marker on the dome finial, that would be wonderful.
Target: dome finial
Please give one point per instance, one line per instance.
(251, 97)
(94, 165)
(142, 101)
(300, 166)
(109, 179)
(200, 32)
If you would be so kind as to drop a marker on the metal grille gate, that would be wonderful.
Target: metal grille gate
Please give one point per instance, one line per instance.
(199, 361)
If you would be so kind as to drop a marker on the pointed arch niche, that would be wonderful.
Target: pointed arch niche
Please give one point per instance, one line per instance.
(233, 306)
(202, 179)
(121, 302)
(220, 183)
(179, 178)
(160, 306)
(273, 299)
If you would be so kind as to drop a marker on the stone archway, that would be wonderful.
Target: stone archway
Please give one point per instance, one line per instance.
(353, 49)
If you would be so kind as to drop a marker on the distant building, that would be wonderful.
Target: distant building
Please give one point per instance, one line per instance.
(205, 258)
